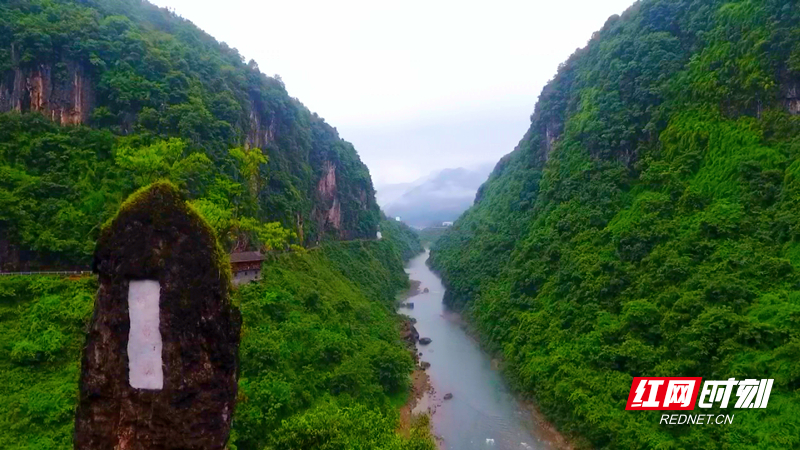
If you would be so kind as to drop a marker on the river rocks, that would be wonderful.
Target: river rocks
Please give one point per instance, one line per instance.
(413, 320)
(425, 291)
(420, 353)
(448, 396)
(409, 305)
(409, 333)
(424, 364)
(425, 341)
(413, 290)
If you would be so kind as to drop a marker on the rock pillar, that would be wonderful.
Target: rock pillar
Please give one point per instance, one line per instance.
(159, 368)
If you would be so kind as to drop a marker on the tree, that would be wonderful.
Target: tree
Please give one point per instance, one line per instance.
(164, 159)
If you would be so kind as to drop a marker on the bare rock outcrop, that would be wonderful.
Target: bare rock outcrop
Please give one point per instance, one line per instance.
(63, 92)
(181, 395)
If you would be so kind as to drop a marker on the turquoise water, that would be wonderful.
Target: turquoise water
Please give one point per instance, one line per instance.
(483, 413)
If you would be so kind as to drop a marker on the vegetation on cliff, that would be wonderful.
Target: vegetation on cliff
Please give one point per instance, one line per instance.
(321, 361)
(156, 98)
(401, 235)
(647, 225)
(429, 235)
(99, 98)
(42, 333)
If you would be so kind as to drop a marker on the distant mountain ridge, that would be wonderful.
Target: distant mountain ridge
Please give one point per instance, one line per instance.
(436, 198)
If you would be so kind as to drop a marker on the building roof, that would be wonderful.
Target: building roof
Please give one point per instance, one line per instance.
(246, 257)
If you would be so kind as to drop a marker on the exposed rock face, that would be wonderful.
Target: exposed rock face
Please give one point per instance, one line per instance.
(262, 127)
(791, 97)
(9, 255)
(335, 214)
(329, 213)
(157, 237)
(409, 333)
(65, 93)
(552, 131)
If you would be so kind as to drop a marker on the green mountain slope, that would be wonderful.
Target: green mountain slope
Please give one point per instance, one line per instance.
(406, 239)
(99, 97)
(321, 363)
(647, 225)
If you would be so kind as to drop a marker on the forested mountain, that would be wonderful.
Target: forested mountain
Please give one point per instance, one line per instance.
(440, 197)
(406, 239)
(321, 361)
(100, 97)
(648, 224)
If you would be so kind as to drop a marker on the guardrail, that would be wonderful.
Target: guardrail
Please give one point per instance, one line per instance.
(56, 272)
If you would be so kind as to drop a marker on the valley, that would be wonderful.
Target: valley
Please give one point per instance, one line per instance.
(647, 224)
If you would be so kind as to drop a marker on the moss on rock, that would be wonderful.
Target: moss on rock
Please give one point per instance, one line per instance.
(157, 236)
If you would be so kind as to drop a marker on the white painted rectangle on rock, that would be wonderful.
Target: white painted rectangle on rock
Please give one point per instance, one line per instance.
(144, 337)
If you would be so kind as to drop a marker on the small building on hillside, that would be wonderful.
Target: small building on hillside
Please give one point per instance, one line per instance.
(447, 224)
(246, 266)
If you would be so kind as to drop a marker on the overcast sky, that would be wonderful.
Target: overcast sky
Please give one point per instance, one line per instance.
(416, 86)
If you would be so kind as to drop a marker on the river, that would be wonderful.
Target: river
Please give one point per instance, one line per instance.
(483, 413)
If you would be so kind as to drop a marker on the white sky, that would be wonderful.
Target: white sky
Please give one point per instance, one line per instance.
(416, 86)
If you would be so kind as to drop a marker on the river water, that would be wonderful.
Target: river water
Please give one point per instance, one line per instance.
(483, 413)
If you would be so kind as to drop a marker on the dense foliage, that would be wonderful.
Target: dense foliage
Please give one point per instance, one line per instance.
(647, 225)
(428, 236)
(321, 362)
(42, 323)
(167, 101)
(404, 237)
(321, 348)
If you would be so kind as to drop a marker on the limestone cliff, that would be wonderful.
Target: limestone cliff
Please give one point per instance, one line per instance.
(340, 196)
(140, 71)
(62, 92)
(261, 125)
(330, 211)
(791, 97)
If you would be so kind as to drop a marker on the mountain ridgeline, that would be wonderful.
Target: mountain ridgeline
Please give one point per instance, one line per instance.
(440, 197)
(100, 97)
(648, 224)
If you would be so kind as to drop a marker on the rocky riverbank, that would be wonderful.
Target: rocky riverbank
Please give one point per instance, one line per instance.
(420, 384)
(420, 381)
(412, 290)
